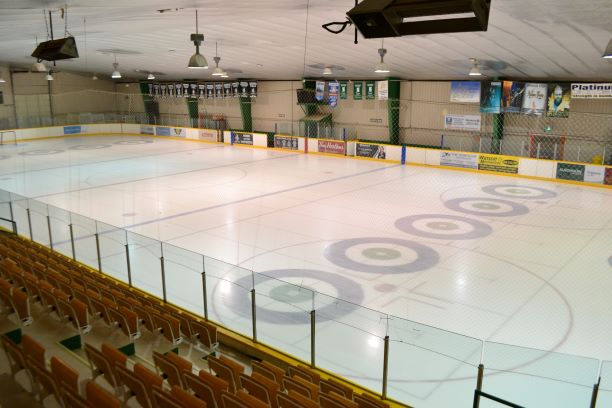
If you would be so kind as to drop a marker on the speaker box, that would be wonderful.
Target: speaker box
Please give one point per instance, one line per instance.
(63, 48)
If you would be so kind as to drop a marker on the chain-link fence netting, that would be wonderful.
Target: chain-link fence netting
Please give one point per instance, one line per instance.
(583, 136)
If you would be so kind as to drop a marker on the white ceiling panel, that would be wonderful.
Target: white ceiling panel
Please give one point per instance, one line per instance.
(264, 39)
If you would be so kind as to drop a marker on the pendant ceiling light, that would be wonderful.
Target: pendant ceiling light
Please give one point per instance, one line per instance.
(608, 52)
(94, 77)
(116, 74)
(381, 67)
(475, 71)
(197, 60)
(49, 77)
(2, 80)
(218, 71)
(327, 71)
(150, 77)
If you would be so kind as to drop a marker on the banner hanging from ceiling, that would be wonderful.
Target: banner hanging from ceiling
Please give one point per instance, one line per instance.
(558, 105)
(591, 91)
(490, 97)
(534, 99)
(512, 96)
(465, 91)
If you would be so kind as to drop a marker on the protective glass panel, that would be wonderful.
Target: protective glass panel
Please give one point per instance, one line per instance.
(228, 289)
(350, 341)
(84, 234)
(60, 230)
(430, 367)
(183, 270)
(112, 251)
(20, 215)
(145, 263)
(604, 399)
(536, 378)
(40, 226)
(283, 315)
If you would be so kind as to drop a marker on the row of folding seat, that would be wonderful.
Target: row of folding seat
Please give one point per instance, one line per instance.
(268, 384)
(56, 379)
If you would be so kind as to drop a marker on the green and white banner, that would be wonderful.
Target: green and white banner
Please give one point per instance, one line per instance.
(343, 89)
(370, 90)
(357, 90)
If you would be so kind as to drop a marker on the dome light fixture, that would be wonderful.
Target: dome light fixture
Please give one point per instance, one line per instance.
(327, 71)
(608, 52)
(150, 77)
(381, 67)
(49, 77)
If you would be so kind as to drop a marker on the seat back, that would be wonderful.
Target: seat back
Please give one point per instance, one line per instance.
(206, 334)
(99, 397)
(304, 372)
(345, 402)
(366, 401)
(223, 371)
(33, 349)
(329, 385)
(230, 400)
(114, 358)
(326, 401)
(185, 399)
(303, 400)
(149, 378)
(21, 305)
(72, 399)
(170, 328)
(44, 379)
(291, 384)
(278, 372)
(100, 365)
(170, 370)
(145, 316)
(201, 389)
(128, 321)
(255, 389)
(217, 384)
(80, 315)
(64, 374)
(135, 386)
(15, 355)
(284, 401)
(161, 399)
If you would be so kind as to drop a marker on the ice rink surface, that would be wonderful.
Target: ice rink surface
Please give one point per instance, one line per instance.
(495, 258)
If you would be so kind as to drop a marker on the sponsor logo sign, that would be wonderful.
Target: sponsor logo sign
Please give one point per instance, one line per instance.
(594, 174)
(370, 150)
(286, 142)
(500, 164)
(209, 135)
(463, 122)
(608, 176)
(331, 146)
(162, 131)
(178, 132)
(463, 160)
(147, 129)
(591, 90)
(567, 171)
(72, 130)
(243, 138)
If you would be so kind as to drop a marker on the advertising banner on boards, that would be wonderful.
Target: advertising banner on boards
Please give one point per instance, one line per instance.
(373, 151)
(456, 159)
(330, 146)
(208, 135)
(147, 129)
(162, 131)
(286, 142)
(243, 138)
(570, 171)
(594, 174)
(608, 176)
(72, 130)
(497, 163)
(465, 91)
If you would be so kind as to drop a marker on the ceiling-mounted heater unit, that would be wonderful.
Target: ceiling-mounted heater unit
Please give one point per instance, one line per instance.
(396, 18)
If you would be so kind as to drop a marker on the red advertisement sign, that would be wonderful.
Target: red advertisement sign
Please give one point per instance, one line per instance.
(331, 146)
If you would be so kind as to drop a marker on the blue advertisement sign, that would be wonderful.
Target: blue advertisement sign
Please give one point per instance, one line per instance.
(490, 101)
(333, 89)
(162, 131)
(465, 91)
(72, 130)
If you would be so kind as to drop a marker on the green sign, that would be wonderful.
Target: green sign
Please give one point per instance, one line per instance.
(343, 89)
(370, 90)
(566, 171)
(357, 90)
